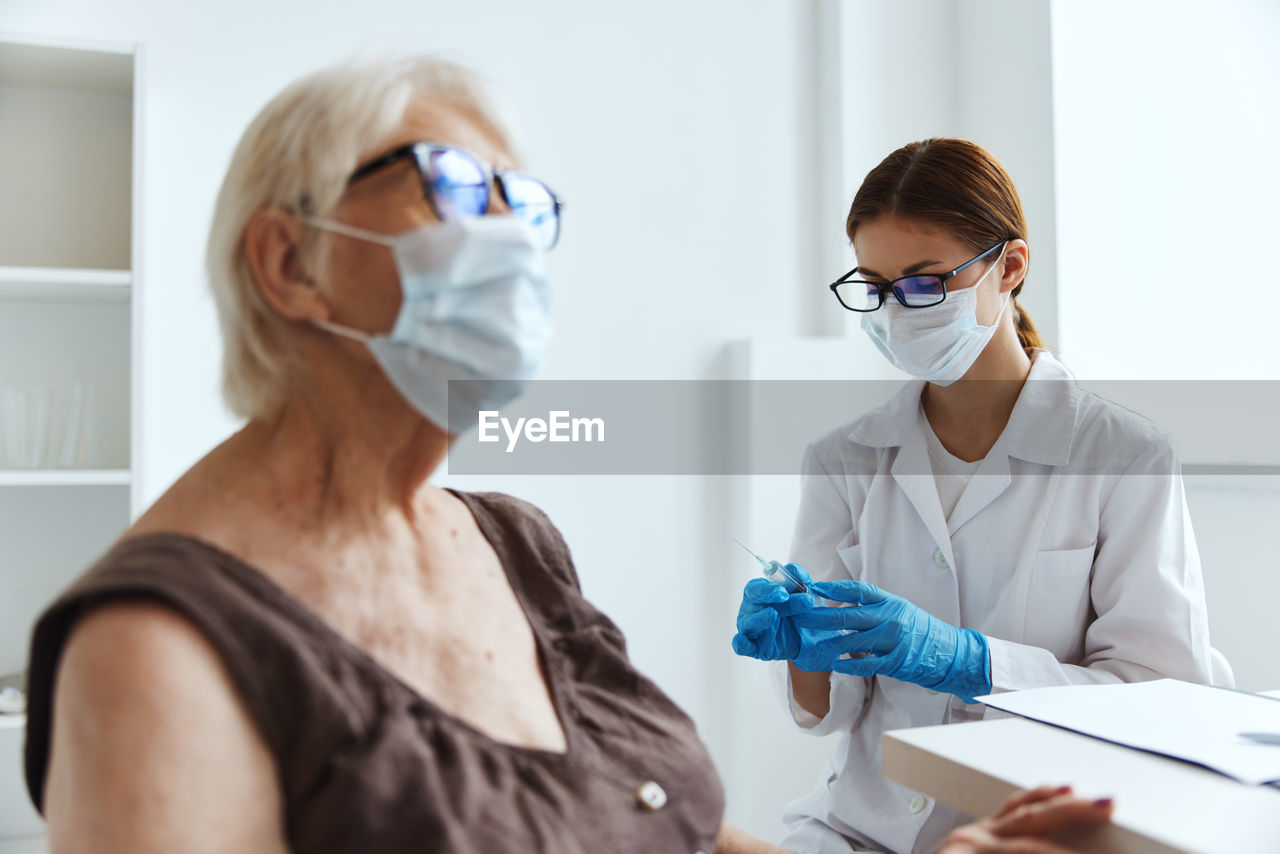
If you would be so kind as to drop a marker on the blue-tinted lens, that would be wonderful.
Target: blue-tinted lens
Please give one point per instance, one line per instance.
(533, 202)
(919, 291)
(458, 183)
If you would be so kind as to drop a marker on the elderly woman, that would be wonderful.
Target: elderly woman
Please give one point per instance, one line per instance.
(304, 645)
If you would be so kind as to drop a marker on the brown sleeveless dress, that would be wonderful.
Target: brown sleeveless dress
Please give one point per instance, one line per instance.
(368, 765)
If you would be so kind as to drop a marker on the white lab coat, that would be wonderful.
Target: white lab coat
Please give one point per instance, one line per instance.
(1071, 549)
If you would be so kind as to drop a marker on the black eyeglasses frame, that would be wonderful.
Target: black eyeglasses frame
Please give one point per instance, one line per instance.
(887, 286)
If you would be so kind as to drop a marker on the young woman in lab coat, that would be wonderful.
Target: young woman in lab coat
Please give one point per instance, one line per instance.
(999, 527)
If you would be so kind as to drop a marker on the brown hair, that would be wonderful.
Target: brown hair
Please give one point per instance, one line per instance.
(953, 184)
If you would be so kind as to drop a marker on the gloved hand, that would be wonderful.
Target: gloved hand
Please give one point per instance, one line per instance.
(767, 628)
(898, 639)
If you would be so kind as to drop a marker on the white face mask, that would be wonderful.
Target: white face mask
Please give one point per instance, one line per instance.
(475, 321)
(939, 343)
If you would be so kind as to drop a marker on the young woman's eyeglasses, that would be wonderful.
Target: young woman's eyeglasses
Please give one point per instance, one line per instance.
(911, 291)
(456, 185)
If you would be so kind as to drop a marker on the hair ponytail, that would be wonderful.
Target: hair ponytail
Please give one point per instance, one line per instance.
(1028, 335)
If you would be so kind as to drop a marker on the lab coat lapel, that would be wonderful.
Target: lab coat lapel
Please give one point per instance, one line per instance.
(988, 482)
(1040, 430)
(914, 475)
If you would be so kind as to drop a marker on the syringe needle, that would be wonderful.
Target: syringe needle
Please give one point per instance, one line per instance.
(763, 562)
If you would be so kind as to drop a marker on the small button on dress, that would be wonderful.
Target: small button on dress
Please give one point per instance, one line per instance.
(651, 796)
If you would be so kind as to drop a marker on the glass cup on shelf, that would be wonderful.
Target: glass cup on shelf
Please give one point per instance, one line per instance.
(77, 447)
(13, 414)
(13, 699)
(26, 415)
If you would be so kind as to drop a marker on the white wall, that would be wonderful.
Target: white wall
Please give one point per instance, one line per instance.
(1166, 117)
(1004, 95)
(1166, 121)
(1235, 522)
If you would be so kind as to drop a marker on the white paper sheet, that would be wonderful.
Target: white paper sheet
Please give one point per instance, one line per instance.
(1178, 719)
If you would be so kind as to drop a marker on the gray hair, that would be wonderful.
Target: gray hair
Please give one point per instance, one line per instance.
(297, 154)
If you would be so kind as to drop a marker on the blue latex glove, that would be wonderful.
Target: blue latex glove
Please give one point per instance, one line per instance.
(898, 639)
(767, 628)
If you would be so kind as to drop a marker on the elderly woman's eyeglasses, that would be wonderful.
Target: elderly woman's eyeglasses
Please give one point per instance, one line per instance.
(456, 185)
(910, 291)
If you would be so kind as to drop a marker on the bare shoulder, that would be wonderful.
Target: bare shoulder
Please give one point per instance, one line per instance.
(152, 749)
(141, 646)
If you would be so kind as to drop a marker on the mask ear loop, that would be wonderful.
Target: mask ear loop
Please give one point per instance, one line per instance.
(349, 230)
(1008, 297)
(359, 234)
(344, 331)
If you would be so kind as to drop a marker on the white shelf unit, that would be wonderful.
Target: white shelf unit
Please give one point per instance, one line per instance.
(58, 284)
(66, 477)
(68, 318)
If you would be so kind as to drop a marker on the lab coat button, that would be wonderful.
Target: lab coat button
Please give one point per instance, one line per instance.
(917, 804)
(651, 796)
(940, 559)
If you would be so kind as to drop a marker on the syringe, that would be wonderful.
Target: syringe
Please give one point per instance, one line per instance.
(777, 572)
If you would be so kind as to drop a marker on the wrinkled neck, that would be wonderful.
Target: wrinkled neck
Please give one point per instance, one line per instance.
(350, 453)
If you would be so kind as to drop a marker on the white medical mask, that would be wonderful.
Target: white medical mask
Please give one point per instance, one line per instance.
(939, 343)
(475, 319)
